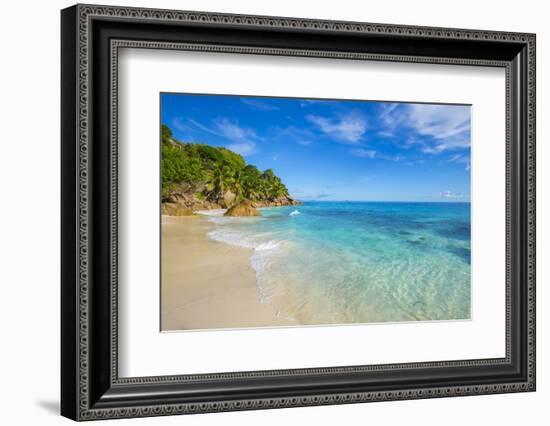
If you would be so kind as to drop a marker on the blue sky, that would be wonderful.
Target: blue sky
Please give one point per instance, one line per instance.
(334, 149)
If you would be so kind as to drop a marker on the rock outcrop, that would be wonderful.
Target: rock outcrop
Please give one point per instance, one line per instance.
(243, 208)
(175, 209)
(277, 202)
(184, 199)
(228, 199)
(183, 204)
(186, 196)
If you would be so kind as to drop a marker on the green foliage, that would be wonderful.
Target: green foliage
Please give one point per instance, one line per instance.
(166, 132)
(216, 169)
(179, 163)
(220, 179)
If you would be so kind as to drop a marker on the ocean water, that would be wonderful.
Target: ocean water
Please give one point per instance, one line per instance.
(358, 262)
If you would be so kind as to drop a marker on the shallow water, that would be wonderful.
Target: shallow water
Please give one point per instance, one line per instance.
(359, 262)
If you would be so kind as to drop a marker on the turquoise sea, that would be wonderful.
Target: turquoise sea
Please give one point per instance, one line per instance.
(359, 262)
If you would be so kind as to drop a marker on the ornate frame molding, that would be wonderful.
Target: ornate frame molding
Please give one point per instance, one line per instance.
(82, 16)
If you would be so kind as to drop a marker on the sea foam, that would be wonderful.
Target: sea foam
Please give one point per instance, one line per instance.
(264, 251)
(236, 238)
(213, 212)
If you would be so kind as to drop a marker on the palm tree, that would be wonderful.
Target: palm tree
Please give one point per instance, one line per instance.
(250, 182)
(280, 189)
(218, 182)
(238, 184)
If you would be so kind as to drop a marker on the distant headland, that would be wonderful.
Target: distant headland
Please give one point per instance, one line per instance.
(202, 177)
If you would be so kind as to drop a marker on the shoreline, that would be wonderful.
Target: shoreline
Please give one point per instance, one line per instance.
(175, 206)
(207, 284)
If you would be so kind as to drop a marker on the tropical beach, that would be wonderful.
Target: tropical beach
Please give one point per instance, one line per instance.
(320, 225)
(320, 263)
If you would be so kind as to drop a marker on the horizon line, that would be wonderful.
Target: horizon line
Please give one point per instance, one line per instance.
(382, 201)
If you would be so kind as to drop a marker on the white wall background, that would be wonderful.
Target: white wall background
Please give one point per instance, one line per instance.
(29, 212)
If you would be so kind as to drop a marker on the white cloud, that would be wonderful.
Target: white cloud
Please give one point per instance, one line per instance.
(370, 153)
(181, 125)
(443, 127)
(259, 105)
(393, 157)
(202, 127)
(448, 125)
(232, 130)
(242, 148)
(241, 140)
(363, 153)
(461, 158)
(428, 149)
(451, 194)
(292, 133)
(386, 114)
(385, 134)
(349, 128)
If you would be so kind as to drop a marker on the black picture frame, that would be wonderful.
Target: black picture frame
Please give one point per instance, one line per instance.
(90, 386)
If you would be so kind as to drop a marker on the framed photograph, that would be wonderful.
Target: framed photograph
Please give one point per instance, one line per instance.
(263, 212)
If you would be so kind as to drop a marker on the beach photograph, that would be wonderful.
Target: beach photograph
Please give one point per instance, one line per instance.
(292, 212)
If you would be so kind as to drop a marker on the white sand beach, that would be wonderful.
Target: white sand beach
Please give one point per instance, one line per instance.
(207, 284)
